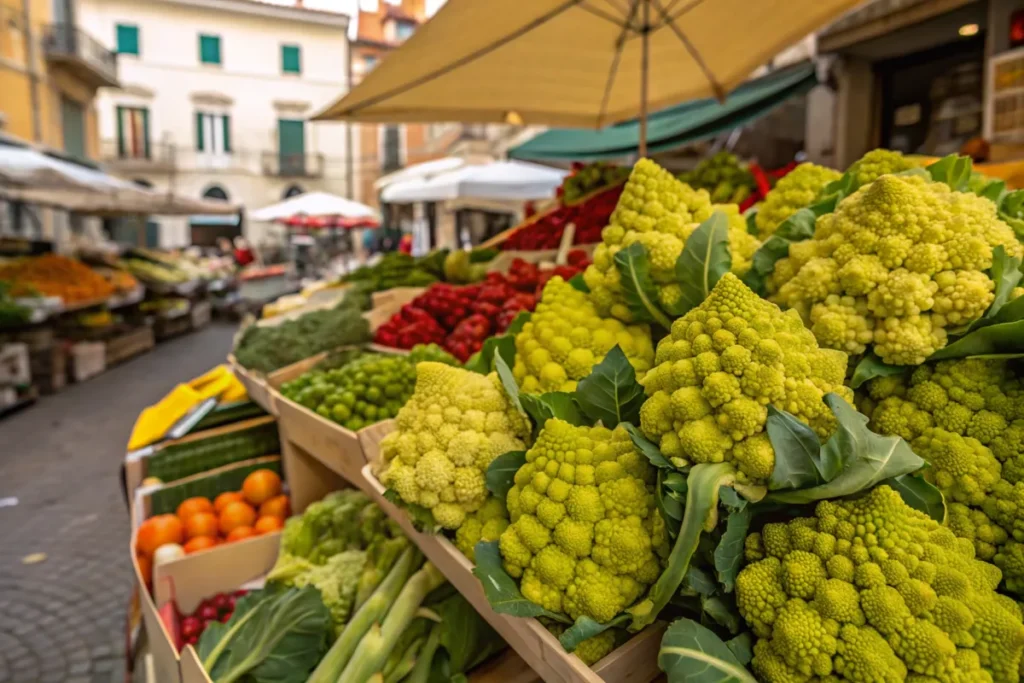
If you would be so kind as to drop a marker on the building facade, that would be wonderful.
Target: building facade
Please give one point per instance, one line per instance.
(214, 101)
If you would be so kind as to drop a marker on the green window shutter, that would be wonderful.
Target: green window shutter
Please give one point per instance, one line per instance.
(291, 59)
(120, 132)
(127, 39)
(145, 132)
(199, 131)
(209, 49)
(226, 120)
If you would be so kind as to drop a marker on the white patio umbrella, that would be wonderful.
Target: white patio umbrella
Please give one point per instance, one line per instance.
(314, 204)
(499, 180)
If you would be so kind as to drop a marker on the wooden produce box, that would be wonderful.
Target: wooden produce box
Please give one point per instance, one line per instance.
(254, 382)
(395, 298)
(49, 368)
(129, 345)
(168, 328)
(88, 359)
(636, 661)
(163, 459)
(200, 314)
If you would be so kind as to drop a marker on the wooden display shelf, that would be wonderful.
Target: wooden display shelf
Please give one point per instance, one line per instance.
(254, 382)
(129, 345)
(636, 661)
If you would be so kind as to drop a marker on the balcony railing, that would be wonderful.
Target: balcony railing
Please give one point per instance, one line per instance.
(293, 165)
(153, 158)
(80, 53)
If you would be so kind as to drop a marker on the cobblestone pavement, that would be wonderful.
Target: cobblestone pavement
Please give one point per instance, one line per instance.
(62, 620)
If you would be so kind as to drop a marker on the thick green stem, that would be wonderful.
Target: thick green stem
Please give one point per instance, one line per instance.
(405, 663)
(370, 659)
(362, 666)
(421, 672)
(370, 613)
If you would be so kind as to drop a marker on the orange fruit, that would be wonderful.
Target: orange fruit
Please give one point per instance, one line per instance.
(145, 568)
(261, 486)
(235, 515)
(201, 524)
(156, 531)
(278, 506)
(191, 506)
(268, 524)
(225, 499)
(240, 533)
(200, 543)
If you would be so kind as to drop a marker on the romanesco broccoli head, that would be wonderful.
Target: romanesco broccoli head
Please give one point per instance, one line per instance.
(899, 263)
(965, 417)
(796, 190)
(486, 524)
(586, 538)
(719, 369)
(660, 212)
(879, 162)
(565, 338)
(870, 589)
(447, 434)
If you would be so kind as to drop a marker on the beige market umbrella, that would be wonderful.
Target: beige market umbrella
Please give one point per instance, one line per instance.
(576, 63)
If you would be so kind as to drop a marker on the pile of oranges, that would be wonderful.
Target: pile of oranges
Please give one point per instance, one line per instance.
(199, 524)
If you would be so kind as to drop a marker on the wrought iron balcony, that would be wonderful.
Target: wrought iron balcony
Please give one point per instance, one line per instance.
(293, 165)
(81, 54)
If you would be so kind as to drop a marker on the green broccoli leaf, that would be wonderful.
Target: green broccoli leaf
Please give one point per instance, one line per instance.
(692, 653)
(464, 634)
(610, 393)
(507, 380)
(584, 628)
(501, 589)
(577, 282)
(670, 502)
(953, 170)
(751, 216)
(638, 287)
(699, 582)
(703, 261)
(552, 404)
(871, 367)
(729, 553)
(743, 647)
(862, 458)
(421, 517)
(1006, 273)
(796, 228)
(994, 191)
(920, 495)
(1003, 339)
(516, 326)
(501, 472)
(723, 611)
(648, 449)
(797, 452)
(483, 362)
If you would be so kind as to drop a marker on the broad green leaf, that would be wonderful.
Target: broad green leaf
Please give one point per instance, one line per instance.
(610, 393)
(1006, 274)
(729, 553)
(649, 450)
(482, 361)
(501, 472)
(577, 282)
(953, 170)
(637, 286)
(723, 611)
(870, 367)
(994, 191)
(676, 481)
(699, 581)
(731, 499)
(867, 458)
(516, 326)
(1013, 204)
(797, 452)
(997, 339)
(920, 495)
(507, 380)
(751, 216)
(743, 647)
(501, 589)
(700, 515)
(422, 518)
(704, 260)
(670, 504)
(691, 653)
(584, 628)
(553, 404)
(796, 228)
(838, 189)
(464, 635)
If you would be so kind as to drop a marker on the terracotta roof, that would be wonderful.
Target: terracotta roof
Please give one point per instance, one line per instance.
(371, 27)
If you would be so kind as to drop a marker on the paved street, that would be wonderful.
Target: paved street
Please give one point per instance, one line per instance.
(63, 619)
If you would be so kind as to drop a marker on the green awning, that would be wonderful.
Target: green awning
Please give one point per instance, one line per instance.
(676, 126)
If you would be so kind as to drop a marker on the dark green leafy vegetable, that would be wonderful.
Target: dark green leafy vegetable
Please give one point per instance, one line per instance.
(610, 393)
(704, 260)
(691, 653)
(638, 287)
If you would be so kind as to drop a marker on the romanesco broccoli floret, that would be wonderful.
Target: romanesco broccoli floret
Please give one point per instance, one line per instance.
(447, 434)
(898, 264)
(586, 538)
(796, 190)
(659, 212)
(565, 338)
(591, 650)
(965, 417)
(337, 580)
(719, 369)
(486, 524)
(870, 589)
(879, 162)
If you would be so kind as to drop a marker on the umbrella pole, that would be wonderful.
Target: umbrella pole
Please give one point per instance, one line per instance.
(644, 68)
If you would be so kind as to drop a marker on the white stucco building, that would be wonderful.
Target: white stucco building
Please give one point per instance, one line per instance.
(215, 99)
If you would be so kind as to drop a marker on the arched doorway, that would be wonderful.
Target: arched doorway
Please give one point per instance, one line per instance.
(207, 229)
(292, 191)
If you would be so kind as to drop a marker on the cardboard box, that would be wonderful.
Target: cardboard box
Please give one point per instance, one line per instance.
(636, 661)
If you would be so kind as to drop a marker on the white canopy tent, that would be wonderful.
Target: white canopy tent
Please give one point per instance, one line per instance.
(420, 171)
(498, 181)
(315, 205)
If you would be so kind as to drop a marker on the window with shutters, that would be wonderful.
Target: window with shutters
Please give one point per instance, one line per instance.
(133, 133)
(72, 122)
(209, 49)
(213, 133)
(127, 39)
(391, 154)
(291, 146)
(291, 59)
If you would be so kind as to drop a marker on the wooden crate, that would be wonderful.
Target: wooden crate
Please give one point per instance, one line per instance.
(636, 661)
(395, 298)
(129, 345)
(254, 382)
(168, 328)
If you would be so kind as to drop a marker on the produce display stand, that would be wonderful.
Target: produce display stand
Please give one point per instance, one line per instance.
(636, 661)
(128, 345)
(254, 383)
